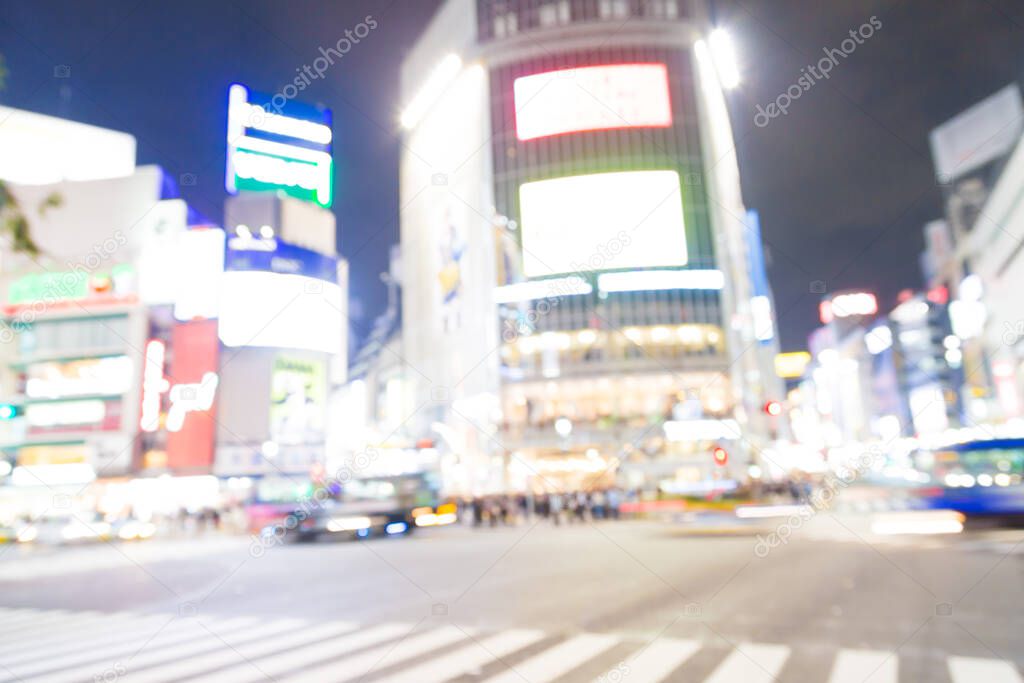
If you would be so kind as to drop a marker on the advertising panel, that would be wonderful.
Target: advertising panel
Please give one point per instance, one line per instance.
(191, 418)
(80, 286)
(297, 401)
(198, 295)
(278, 146)
(592, 98)
(280, 311)
(280, 295)
(274, 256)
(603, 221)
(110, 376)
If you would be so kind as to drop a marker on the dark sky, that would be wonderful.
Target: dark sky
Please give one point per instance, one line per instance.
(843, 182)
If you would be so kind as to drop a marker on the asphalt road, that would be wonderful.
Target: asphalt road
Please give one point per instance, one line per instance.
(613, 601)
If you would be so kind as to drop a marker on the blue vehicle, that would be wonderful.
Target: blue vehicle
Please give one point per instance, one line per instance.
(976, 477)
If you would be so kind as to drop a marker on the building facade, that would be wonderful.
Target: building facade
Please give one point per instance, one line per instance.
(580, 296)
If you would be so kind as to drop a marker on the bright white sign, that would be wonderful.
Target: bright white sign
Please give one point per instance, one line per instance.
(604, 221)
(592, 98)
(650, 280)
(198, 294)
(279, 310)
(189, 398)
(39, 150)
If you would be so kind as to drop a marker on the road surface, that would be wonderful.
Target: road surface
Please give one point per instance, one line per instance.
(622, 601)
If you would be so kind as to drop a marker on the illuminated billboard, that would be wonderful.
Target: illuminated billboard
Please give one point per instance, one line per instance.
(297, 400)
(603, 221)
(115, 286)
(284, 147)
(279, 295)
(792, 365)
(592, 98)
(282, 311)
(846, 305)
(108, 376)
(191, 423)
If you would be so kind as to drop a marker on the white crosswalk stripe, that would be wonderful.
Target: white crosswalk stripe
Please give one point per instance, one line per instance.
(751, 663)
(469, 658)
(57, 646)
(14, 617)
(864, 666)
(558, 660)
(288, 662)
(359, 665)
(975, 669)
(658, 659)
(235, 651)
(213, 640)
(111, 630)
(40, 620)
(70, 667)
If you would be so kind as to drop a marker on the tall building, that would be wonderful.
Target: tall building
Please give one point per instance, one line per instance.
(988, 310)
(971, 154)
(583, 292)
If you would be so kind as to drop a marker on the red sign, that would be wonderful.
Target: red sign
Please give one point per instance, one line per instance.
(194, 356)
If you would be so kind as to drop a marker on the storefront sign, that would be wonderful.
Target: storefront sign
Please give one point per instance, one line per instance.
(278, 147)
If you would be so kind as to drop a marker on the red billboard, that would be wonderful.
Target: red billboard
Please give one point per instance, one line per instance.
(191, 417)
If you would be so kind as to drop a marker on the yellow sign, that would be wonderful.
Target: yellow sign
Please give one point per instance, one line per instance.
(53, 455)
(791, 365)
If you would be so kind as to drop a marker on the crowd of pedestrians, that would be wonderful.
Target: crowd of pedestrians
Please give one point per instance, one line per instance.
(558, 507)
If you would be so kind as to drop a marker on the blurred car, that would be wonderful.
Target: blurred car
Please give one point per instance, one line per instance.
(18, 532)
(367, 507)
(352, 520)
(69, 529)
(133, 529)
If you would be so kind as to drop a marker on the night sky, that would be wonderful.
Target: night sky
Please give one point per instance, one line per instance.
(844, 181)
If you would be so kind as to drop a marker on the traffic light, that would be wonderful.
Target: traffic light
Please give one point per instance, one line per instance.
(721, 455)
(773, 408)
(9, 411)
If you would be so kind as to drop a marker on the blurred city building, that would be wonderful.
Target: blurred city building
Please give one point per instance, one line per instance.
(147, 357)
(583, 290)
(973, 156)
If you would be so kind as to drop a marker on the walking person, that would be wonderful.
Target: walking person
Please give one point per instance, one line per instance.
(555, 507)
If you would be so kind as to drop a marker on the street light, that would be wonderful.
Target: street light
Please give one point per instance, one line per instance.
(724, 57)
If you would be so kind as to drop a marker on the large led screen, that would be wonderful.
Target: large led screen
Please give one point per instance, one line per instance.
(282, 311)
(604, 221)
(592, 98)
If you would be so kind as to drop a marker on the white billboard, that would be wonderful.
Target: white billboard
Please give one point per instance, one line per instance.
(592, 98)
(260, 308)
(41, 150)
(603, 221)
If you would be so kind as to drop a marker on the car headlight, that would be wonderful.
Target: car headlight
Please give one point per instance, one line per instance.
(348, 523)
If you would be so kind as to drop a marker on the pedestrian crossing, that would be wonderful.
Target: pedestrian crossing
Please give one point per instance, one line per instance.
(61, 646)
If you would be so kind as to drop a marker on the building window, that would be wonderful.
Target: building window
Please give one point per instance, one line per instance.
(505, 24)
(554, 13)
(613, 9)
(661, 9)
